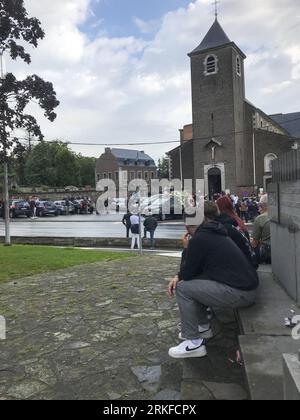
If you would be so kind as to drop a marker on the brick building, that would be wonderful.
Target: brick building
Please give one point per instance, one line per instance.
(231, 143)
(114, 163)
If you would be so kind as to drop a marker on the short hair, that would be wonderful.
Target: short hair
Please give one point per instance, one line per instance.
(211, 210)
(263, 202)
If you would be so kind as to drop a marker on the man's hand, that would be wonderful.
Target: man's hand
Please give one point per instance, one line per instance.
(172, 286)
(186, 240)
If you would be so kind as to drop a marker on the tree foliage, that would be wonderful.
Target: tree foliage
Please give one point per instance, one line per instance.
(17, 28)
(163, 168)
(55, 165)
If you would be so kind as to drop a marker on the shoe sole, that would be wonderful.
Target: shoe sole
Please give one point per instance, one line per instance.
(198, 353)
(205, 336)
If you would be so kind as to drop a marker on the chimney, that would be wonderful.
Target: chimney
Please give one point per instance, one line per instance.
(107, 150)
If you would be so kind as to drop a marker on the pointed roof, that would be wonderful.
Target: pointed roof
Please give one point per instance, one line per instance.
(215, 37)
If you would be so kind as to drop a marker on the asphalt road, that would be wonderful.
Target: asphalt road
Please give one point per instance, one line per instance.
(103, 226)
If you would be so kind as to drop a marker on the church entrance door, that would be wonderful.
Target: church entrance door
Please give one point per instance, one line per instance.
(214, 182)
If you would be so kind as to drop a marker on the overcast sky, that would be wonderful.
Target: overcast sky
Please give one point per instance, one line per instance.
(121, 71)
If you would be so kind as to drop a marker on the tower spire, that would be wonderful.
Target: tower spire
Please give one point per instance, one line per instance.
(215, 3)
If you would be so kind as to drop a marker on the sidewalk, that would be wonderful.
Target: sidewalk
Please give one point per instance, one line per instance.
(103, 331)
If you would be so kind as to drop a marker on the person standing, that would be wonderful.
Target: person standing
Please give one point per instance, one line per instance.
(126, 222)
(150, 225)
(261, 236)
(32, 204)
(135, 230)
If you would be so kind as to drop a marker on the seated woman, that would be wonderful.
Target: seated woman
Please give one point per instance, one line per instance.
(233, 229)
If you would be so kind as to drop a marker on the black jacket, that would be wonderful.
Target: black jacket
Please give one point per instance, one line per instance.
(238, 237)
(126, 220)
(150, 223)
(212, 255)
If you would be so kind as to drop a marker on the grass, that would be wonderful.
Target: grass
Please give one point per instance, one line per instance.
(20, 261)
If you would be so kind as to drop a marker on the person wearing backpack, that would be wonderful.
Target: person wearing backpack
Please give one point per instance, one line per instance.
(135, 230)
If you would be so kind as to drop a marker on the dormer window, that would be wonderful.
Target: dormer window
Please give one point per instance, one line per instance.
(211, 65)
(238, 66)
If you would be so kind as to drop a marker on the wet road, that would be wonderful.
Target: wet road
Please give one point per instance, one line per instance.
(84, 226)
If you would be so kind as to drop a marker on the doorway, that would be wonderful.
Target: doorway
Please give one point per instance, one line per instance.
(214, 182)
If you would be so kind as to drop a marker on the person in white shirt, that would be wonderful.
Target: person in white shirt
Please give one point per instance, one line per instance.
(135, 230)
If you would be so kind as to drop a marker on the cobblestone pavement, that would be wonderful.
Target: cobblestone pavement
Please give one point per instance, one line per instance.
(102, 331)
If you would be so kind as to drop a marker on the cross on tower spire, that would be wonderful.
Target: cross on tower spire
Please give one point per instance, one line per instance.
(215, 3)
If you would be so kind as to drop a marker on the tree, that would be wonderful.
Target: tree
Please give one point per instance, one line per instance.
(16, 27)
(163, 168)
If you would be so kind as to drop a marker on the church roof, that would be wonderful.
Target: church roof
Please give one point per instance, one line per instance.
(215, 37)
(290, 122)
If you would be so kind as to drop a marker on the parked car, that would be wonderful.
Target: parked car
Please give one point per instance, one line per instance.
(19, 208)
(165, 207)
(46, 208)
(62, 207)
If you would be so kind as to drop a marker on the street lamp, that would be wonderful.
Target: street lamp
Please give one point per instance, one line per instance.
(5, 165)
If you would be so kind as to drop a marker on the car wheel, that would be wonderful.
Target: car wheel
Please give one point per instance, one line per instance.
(11, 214)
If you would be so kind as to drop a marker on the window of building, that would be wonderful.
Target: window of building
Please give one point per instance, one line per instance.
(211, 65)
(98, 177)
(152, 175)
(132, 175)
(268, 161)
(117, 176)
(109, 175)
(104, 175)
(238, 66)
(140, 175)
(146, 176)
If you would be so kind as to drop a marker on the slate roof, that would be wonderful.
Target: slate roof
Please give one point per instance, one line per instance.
(132, 155)
(290, 122)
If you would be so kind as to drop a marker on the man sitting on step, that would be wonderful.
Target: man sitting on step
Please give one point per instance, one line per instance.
(214, 273)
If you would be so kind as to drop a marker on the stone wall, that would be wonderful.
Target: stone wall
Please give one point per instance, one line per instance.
(284, 209)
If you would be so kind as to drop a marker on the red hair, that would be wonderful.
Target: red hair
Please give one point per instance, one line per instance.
(226, 206)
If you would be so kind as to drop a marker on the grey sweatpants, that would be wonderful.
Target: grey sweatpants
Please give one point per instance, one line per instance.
(195, 296)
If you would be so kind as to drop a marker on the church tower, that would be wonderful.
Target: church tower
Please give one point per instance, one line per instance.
(218, 99)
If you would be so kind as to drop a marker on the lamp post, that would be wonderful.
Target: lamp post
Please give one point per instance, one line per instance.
(5, 166)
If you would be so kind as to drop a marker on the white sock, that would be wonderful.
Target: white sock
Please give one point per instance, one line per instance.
(196, 343)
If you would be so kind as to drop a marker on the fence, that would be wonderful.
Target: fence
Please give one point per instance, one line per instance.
(287, 168)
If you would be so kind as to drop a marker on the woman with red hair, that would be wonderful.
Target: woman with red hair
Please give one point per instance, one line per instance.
(226, 207)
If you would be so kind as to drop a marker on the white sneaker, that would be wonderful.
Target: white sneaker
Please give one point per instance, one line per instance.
(187, 350)
(205, 334)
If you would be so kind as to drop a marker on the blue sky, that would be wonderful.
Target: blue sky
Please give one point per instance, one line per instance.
(117, 17)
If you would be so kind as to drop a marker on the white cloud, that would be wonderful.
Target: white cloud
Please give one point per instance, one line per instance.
(117, 90)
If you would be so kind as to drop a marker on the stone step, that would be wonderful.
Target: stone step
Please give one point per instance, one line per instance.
(266, 338)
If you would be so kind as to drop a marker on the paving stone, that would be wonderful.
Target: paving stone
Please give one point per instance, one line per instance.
(148, 376)
(226, 392)
(167, 395)
(195, 391)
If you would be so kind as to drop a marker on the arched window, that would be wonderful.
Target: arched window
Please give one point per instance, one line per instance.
(238, 66)
(268, 161)
(211, 65)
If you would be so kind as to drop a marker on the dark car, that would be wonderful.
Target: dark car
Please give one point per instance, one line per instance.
(62, 207)
(46, 208)
(19, 208)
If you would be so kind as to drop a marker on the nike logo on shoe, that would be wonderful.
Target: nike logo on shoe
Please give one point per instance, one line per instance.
(195, 348)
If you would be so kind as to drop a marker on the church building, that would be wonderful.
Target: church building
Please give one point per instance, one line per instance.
(231, 143)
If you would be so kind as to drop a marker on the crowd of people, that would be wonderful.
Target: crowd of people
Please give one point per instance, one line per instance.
(218, 269)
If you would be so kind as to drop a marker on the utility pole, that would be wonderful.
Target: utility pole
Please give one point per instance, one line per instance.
(5, 165)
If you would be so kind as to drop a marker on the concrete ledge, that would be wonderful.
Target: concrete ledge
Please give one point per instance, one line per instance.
(93, 242)
(266, 338)
(291, 373)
